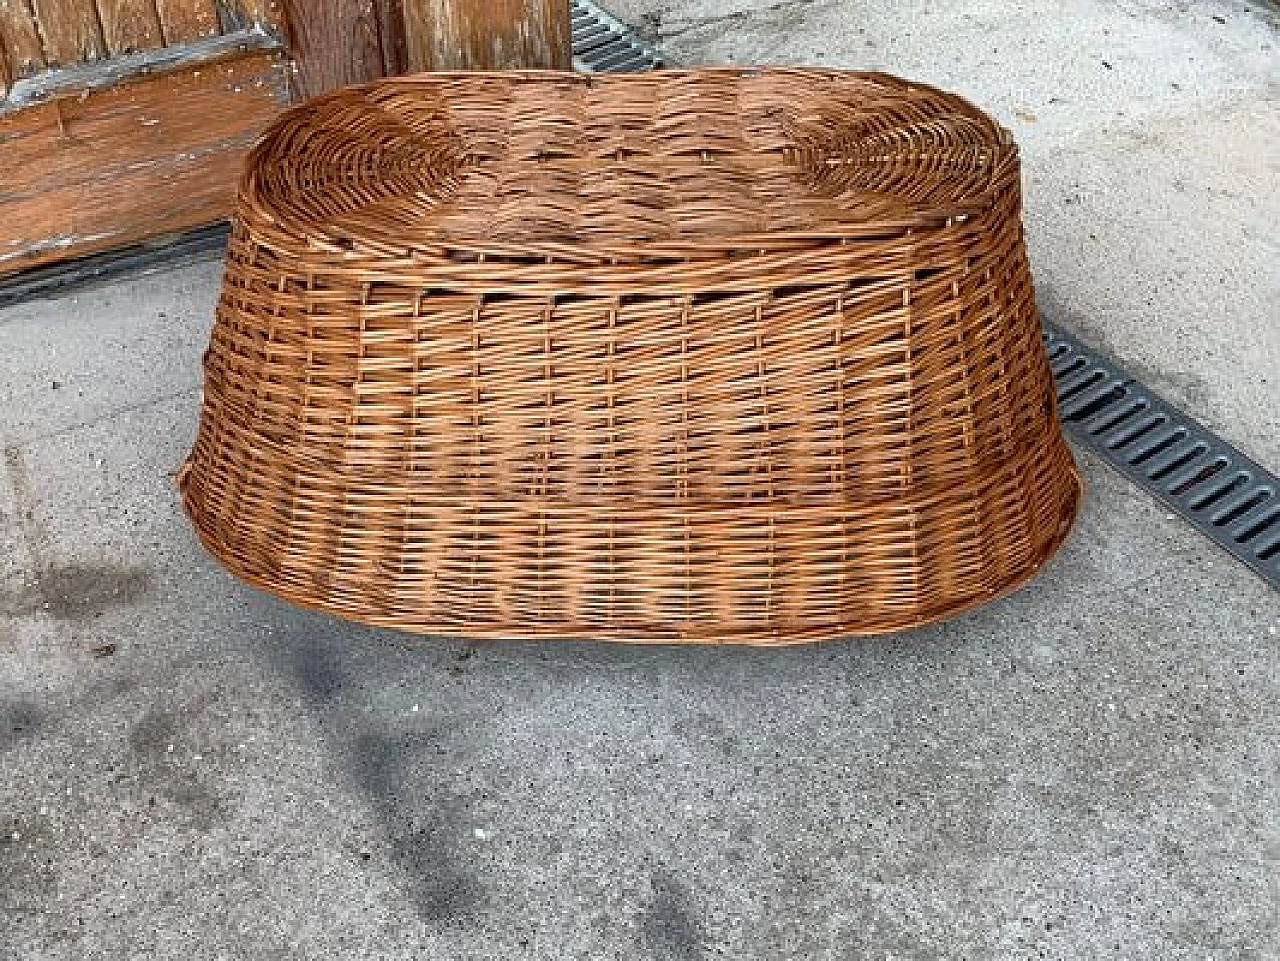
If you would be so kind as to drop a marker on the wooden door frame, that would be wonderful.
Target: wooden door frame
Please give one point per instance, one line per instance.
(110, 152)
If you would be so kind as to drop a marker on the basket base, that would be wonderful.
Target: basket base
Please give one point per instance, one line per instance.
(703, 631)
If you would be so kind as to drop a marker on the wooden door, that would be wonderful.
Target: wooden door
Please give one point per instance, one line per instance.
(124, 119)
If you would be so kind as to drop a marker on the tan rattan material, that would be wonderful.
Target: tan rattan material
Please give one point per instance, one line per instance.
(699, 356)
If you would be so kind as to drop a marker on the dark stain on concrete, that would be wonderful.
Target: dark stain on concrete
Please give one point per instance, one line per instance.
(72, 591)
(151, 737)
(670, 928)
(422, 832)
(405, 775)
(64, 591)
(160, 748)
(704, 731)
(19, 720)
(317, 671)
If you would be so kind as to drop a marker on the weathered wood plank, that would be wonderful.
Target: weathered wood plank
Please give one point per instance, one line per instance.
(151, 156)
(19, 39)
(137, 125)
(333, 43)
(392, 37)
(126, 67)
(70, 30)
(6, 77)
(488, 34)
(354, 42)
(129, 25)
(270, 14)
(183, 20)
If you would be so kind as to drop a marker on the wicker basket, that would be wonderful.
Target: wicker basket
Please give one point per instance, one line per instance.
(705, 356)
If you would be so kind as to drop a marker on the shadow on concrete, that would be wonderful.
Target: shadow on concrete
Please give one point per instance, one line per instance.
(408, 766)
(403, 772)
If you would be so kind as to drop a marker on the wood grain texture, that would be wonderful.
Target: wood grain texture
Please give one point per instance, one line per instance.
(270, 14)
(393, 37)
(129, 25)
(183, 20)
(333, 44)
(488, 34)
(19, 39)
(70, 30)
(159, 154)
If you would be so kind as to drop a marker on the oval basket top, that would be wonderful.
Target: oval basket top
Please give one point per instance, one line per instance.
(696, 165)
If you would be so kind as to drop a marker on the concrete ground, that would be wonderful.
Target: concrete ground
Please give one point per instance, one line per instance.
(1088, 769)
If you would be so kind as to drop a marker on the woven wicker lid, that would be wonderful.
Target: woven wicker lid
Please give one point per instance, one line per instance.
(689, 164)
(704, 356)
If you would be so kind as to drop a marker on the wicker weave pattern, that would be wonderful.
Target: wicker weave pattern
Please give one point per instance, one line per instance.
(701, 356)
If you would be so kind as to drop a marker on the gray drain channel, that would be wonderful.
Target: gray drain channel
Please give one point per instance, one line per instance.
(1221, 492)
(155, 254)
(1226, 496)
(602, 42)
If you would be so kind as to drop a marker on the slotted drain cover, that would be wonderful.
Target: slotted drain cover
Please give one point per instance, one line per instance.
(1225, 495)
(602, 42)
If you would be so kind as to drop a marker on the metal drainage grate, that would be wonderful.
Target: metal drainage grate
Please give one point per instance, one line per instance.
(603, 43)
(1225, 495)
